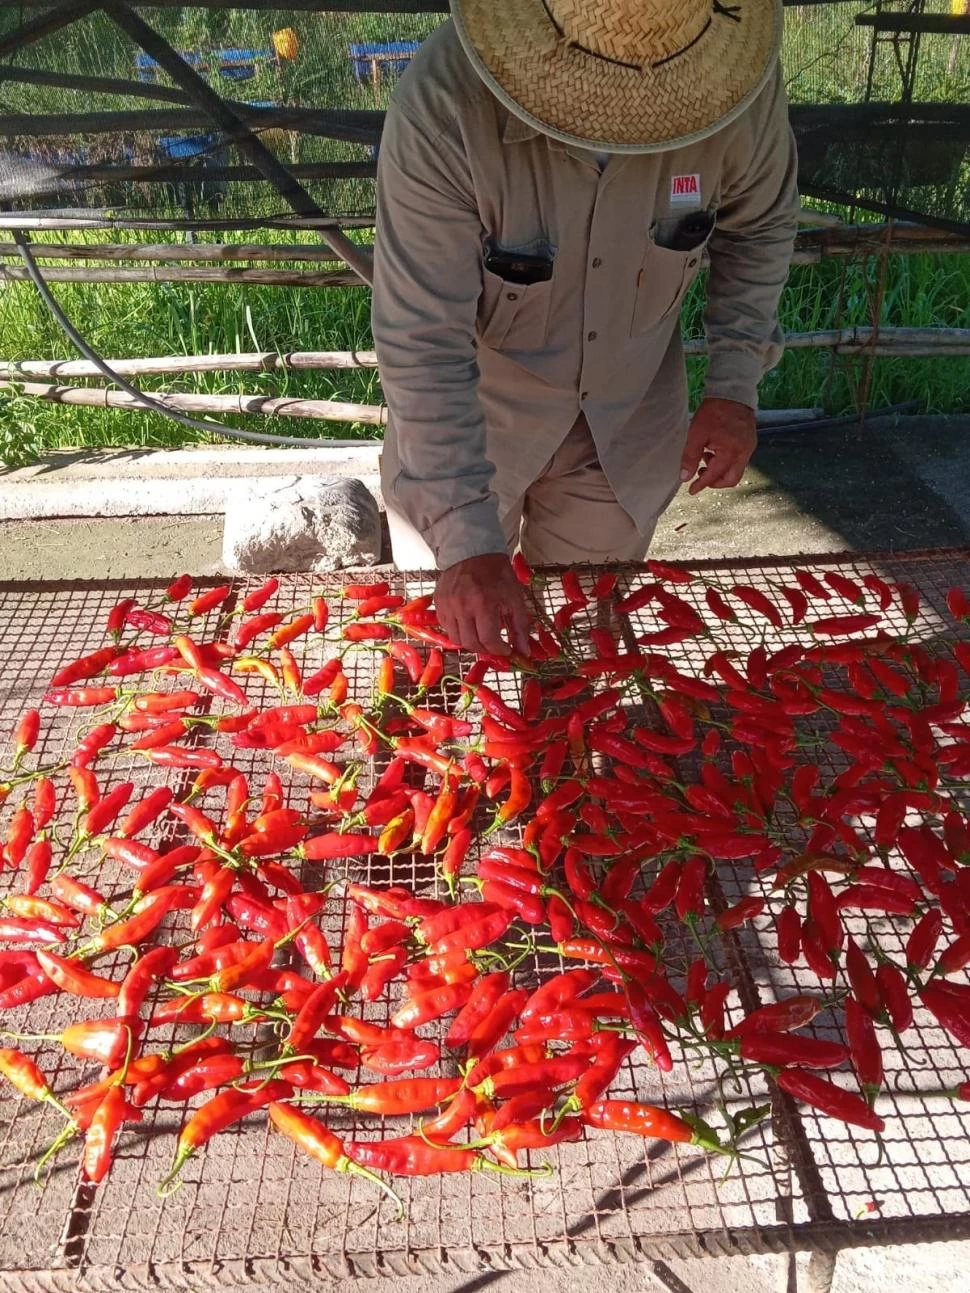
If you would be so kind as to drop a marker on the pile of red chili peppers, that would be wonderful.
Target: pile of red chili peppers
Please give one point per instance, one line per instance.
(584, 809)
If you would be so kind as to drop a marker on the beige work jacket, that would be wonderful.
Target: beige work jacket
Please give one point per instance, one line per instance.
(484, 377)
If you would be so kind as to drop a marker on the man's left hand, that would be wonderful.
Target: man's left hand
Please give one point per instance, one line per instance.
(723, 435)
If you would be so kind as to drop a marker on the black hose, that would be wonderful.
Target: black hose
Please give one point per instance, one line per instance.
(195, 424)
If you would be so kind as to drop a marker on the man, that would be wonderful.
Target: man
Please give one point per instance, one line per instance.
(550, 174)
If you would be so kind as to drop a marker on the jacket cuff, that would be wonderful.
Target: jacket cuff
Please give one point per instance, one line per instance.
(470, 531)
(734, 375)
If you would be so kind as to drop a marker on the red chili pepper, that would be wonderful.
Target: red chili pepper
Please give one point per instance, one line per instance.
(638, 1120)
(179, 588)
(863, 1048)
(781, 1016)
(784, 1050)
(103, 813)
(894, 995)
(689, 895)
(107, 1041)
(146, 812)
(949, 1004)
(206, 602)
(143, 975)
(84, 697)
(24, 1075)
(788, 931)
(116, 617)
(71, 976)
(150, 913)
(829, 1099)
(220, 1112)
(410, 1156)
(738, 915)
(257, 599)
(86, 667)
(954, 957)
(248, 630)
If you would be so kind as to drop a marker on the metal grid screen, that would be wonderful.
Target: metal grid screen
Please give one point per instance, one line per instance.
(252, 1209)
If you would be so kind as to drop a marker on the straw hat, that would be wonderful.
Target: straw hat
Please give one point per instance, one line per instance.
(635, 76)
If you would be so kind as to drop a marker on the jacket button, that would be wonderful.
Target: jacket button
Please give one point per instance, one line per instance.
(597, 262)
(512, 296)
(583, 395)
(591, 336)
(692, 262)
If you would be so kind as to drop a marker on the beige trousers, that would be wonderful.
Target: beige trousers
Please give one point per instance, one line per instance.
(567, 516)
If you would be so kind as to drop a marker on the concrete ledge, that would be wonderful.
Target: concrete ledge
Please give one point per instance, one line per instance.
(160, 482)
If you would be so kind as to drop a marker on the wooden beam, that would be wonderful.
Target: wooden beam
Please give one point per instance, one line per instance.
(45, 25)
(267, 406)
(888, 342)
(348, 126)
(187, 274)
(88, 85)
(166, 252)
(934, 24)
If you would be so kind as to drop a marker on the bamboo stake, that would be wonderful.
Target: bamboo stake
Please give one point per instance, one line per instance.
(269, 406)
(811, 247)
(905, 342)
(166, 252)
(93, 218)
(902, 342)
(153, 274)
(259, 362)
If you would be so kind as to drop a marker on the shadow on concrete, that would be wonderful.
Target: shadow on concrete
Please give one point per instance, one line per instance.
(883, 486)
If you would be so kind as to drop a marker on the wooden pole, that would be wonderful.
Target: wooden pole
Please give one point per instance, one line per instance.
(901, 342)
(269, 406)
(904, 342)
(107, 172)
(349, 126)
(89, 85)
(45, 24)
(165, 251)
(267, 165)
(811, 246)
(92, 218)
(187, 274)
(260, 362)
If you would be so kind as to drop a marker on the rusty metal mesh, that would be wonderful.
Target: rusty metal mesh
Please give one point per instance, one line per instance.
(252, 1209)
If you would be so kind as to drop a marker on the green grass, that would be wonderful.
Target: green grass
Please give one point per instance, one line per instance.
(826, 59)
(163, 319)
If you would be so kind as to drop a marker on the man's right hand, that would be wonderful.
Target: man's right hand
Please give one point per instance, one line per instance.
(479, 597)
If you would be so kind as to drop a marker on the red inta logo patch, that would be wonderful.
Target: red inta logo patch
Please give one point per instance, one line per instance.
(685, 189)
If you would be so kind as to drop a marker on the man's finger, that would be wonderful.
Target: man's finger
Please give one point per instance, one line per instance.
(715, 470)
(489, 629)
(449, 623)
(468, 635)
(518, 623)
(693, 451)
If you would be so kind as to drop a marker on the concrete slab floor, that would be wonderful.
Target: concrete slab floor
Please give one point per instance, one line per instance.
(889, 486)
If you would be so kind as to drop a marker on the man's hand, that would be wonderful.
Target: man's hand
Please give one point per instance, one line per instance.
(723, 435)
(479, 597)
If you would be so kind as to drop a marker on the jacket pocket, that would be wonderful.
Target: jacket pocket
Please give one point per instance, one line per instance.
(663, 280)
(513, 315)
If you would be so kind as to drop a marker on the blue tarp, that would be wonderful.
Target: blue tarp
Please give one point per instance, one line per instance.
(233, 64)
(394, 54)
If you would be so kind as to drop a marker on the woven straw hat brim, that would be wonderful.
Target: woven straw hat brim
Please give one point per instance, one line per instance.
(576, 97)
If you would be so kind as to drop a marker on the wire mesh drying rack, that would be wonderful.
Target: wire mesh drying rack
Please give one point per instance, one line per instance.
(252, 1211)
